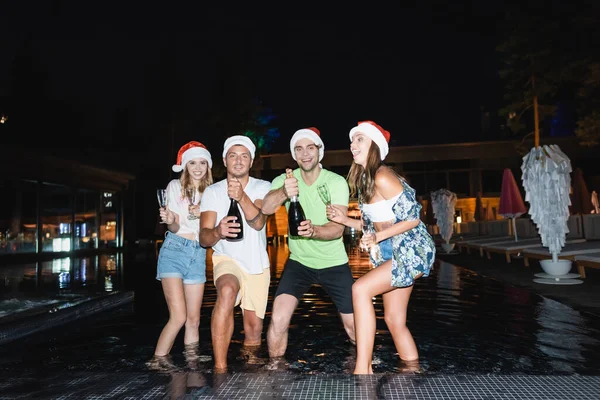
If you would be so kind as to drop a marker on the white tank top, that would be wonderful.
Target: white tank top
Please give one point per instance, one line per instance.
(381, 211)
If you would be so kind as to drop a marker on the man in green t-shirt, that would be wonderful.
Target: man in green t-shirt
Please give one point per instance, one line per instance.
(318, 254)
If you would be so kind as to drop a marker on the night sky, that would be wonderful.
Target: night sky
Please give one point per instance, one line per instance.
(118, 75)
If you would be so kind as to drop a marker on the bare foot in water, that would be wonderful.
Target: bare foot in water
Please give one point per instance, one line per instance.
(192, 356)
(363, 371)
(410, 366)
(277, 364)
(162, 364)
(250, 354)
(220, 370)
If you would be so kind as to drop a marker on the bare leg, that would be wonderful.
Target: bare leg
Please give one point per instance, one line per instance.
(395, 306)
(373, 283)
(221, 325)
(174, 296)
(348, 321)
(277, 334)
(253, 327)
(193, 300)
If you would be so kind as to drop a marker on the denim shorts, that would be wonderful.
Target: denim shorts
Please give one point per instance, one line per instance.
(182, 258)
(385, 247)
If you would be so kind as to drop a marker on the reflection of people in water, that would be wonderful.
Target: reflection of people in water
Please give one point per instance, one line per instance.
(184, 383)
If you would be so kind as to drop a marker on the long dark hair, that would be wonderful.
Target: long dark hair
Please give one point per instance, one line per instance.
(361, 180)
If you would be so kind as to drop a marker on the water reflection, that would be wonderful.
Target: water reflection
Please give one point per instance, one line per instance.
(462, 323)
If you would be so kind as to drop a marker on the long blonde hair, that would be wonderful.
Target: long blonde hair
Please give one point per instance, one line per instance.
(188, 183)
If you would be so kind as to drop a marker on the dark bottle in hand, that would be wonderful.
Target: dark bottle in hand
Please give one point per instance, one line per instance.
(234, 211)
(295, 213)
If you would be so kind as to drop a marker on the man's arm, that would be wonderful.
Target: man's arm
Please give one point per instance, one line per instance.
(273, 200)
(209, 230)
(253, 213)
(329, 231)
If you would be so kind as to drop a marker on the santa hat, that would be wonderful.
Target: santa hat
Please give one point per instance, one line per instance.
(376, 133)
(239, 140)
(188, 152)
(308, 133)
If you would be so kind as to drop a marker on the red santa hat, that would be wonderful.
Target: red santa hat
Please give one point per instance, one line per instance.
(308, 133)
(376, 133)
(239, 140)
(188, 152)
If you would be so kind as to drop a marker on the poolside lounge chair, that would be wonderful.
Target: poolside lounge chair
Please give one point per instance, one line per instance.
(568, 252)
(591, 226)
(478, 243)
(591, 260)
(515, 247)
(495, 230)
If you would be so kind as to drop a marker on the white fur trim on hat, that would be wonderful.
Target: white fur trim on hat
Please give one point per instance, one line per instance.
(239, 140)
(190, 154)
(307, 133)
(373, 133)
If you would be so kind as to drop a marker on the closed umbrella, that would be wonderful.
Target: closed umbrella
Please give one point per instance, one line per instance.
(443, 203)
(595, 202)
(547, 180)
(581, 200)
(511, 202)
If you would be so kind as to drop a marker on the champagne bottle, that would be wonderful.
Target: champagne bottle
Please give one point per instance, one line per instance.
(295, 212)
(234, 211)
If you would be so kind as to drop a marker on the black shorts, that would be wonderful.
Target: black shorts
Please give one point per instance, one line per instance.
(336, 281)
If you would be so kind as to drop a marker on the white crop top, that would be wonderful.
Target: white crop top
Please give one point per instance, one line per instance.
(179, 205)
(381, 211)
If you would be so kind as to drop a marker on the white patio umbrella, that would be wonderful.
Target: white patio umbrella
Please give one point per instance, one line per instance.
(443, 202)
(547, 180)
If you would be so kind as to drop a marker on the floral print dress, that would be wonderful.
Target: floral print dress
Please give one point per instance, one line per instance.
(414, 250)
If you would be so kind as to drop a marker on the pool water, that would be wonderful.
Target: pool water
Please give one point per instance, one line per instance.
(462, 324)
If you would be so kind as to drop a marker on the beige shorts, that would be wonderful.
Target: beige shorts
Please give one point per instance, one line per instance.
(254, 289)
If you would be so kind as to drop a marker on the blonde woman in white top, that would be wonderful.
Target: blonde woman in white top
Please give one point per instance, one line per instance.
(181, 265)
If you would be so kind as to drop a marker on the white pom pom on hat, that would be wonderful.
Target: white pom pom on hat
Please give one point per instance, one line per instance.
(376, 133)
(239, 140)
(311, 133)
(188, 152)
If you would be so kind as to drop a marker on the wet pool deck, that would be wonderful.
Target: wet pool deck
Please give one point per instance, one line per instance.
(484, 330)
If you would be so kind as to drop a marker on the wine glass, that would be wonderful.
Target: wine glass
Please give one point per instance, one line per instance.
(161, 194)
(323, 191)
(191, 194)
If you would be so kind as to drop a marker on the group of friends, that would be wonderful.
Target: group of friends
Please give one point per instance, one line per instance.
(400, 248)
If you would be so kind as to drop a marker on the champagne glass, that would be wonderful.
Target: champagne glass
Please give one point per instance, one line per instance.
(161, 194)
(191, 194)
(323, 191)
(363, 232)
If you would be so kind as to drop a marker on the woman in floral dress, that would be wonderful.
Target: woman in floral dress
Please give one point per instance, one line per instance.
(399, 245)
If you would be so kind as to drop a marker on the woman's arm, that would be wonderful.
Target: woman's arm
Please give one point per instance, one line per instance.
(388, 186)
(339, 214)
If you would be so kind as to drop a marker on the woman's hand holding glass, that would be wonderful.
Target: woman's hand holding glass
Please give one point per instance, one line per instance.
(367, 240)
(161, 195)
(166, 216)
(335, 213)
(193, 204)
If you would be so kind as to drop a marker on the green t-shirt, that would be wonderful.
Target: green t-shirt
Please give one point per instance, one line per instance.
(315, 253)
